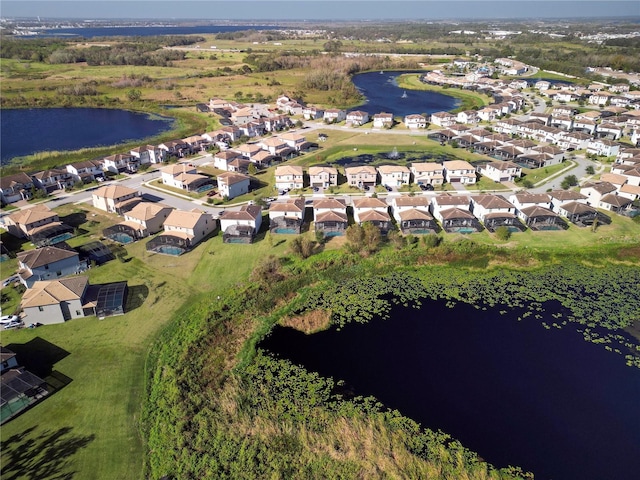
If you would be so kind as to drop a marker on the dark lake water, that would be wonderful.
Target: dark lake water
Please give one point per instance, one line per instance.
(513, 391)
(140, 31)
(27, 131)
(384, 95)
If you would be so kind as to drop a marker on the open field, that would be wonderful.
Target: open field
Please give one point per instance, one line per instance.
(96, 415)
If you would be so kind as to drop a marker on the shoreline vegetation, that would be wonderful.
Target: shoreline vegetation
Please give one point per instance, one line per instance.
(257, 405)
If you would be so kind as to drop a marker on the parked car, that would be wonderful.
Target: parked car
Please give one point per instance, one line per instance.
(389, 189)
(10, 280)
(14, 324)
(426, 187)
(6, 319)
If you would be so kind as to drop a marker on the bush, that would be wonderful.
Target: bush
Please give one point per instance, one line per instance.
(503, 233)
(432, 241)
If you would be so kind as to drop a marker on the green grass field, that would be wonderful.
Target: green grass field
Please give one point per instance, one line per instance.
(96, 415)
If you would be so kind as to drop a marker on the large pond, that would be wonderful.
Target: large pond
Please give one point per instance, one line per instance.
(27, 131)
(513, 391)
(383, 95)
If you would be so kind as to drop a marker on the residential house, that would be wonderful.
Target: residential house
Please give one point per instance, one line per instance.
(176, 148)
(86, 172)
(38, 224)
(508, 152)
(453, 213)
(615, 203)
(563, 122)
(48, 262)
(182, 231)
(372, 210)
(362, 177)
(248, 150)
(334, 115)
(120, 162)
(185, 177)
(630, 172)
(143, 220)
(495, 211)
(262, 158)
(504, 171)
(241, 226)
(584, 125)
(580, 213)
(294, 141)
(231, 184)
(427, 173)
(330, 216)
(53, 179)
(148, 154)
(599, 98)
(609, 130)
(415, 121)
(239, 165)
(558, 198)
(274, 145)
(222, 159)
(489, 113)
(230, 132)
(243, 115)
(287, 216)
(468, 117)
(115, 198)
(394, 175)
(443, 119)
(632, 192)
(323, 177)
(383, 120)
(541, 218)
(195, 143)
(595, 191)
(289, 177)
(526, 199)
(14, 188)
(412, 215)
(23, 223)
(312, 113)
(573, 140)
(56, 301)
(357, 118)
(541, 117)
(459, 171)
(603, 147)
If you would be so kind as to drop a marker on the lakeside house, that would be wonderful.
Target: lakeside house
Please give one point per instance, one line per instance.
(412, 215)
(374, 211)
(495, 211)
(182, 231)
(287, 216)
(241, 226)
(14, 188)
(330, 216)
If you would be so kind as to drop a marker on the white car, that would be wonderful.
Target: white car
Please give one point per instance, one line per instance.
(6, 319)
(10, 280)
(14, 324)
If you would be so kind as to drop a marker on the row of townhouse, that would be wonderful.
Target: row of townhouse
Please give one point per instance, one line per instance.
(431, 214)
(262, 152)
(289, 177)
(181, 230)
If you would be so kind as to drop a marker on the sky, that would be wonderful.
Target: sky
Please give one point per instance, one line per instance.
(319, 9)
